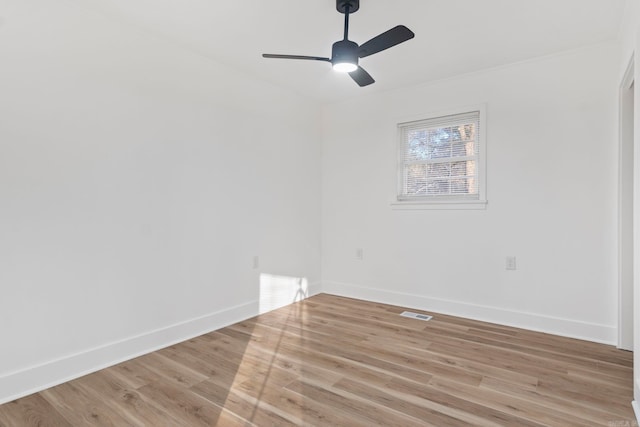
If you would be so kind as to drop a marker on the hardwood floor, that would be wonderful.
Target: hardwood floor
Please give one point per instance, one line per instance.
(341, 362)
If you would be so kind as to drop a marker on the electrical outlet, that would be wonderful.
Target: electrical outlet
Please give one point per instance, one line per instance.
(359, 254)
(256, 262)
(510, 263)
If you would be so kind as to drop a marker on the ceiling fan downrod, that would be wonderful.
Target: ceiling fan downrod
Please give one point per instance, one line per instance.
(347, 8)
(344, 53)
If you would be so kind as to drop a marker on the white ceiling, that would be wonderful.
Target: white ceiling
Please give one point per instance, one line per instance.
(452, 36)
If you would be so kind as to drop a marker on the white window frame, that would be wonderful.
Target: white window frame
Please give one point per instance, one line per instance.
(462, 201)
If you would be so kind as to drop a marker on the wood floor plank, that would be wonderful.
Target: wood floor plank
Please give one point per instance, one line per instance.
(305, 409)
(387, 400)
(595, 414)
(365, 358)
(584, 390)
(164, 367)
(114, 392)
(31, 411)
(189, 407)
(365, 409)
(603, 377)
(79, 408)
(331, 360)
(423, 395)
(250, 409)
(525, 410)
(460, 362)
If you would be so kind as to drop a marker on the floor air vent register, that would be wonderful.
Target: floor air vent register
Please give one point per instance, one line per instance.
(416, 315)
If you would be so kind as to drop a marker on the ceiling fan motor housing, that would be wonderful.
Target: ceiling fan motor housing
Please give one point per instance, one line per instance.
(344, 51)
(341, 5)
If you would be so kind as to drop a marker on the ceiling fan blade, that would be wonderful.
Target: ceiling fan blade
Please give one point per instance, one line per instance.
(361, 77)
(388, 39)
(313, 58)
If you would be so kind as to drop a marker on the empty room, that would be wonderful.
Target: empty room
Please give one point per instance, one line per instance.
(319, 213)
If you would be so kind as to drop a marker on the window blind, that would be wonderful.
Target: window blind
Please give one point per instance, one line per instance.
(439, 157)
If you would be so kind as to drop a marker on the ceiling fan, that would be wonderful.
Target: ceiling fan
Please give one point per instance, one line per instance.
(345, 53)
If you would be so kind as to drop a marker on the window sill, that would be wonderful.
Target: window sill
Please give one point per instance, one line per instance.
(439, 204)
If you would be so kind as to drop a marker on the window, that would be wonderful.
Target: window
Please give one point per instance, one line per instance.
(440, 161)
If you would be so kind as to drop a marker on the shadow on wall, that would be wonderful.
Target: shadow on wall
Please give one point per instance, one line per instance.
(278, 291)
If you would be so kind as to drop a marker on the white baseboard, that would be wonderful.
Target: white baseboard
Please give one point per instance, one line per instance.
(636, 410)
(37, 378)
(535, 322)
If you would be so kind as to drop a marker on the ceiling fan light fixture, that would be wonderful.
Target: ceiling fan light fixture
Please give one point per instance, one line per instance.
(344, 67)
(344, 56)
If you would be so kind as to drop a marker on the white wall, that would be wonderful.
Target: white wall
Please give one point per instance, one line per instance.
(627, 36)
(137, 182)
(552, 183)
